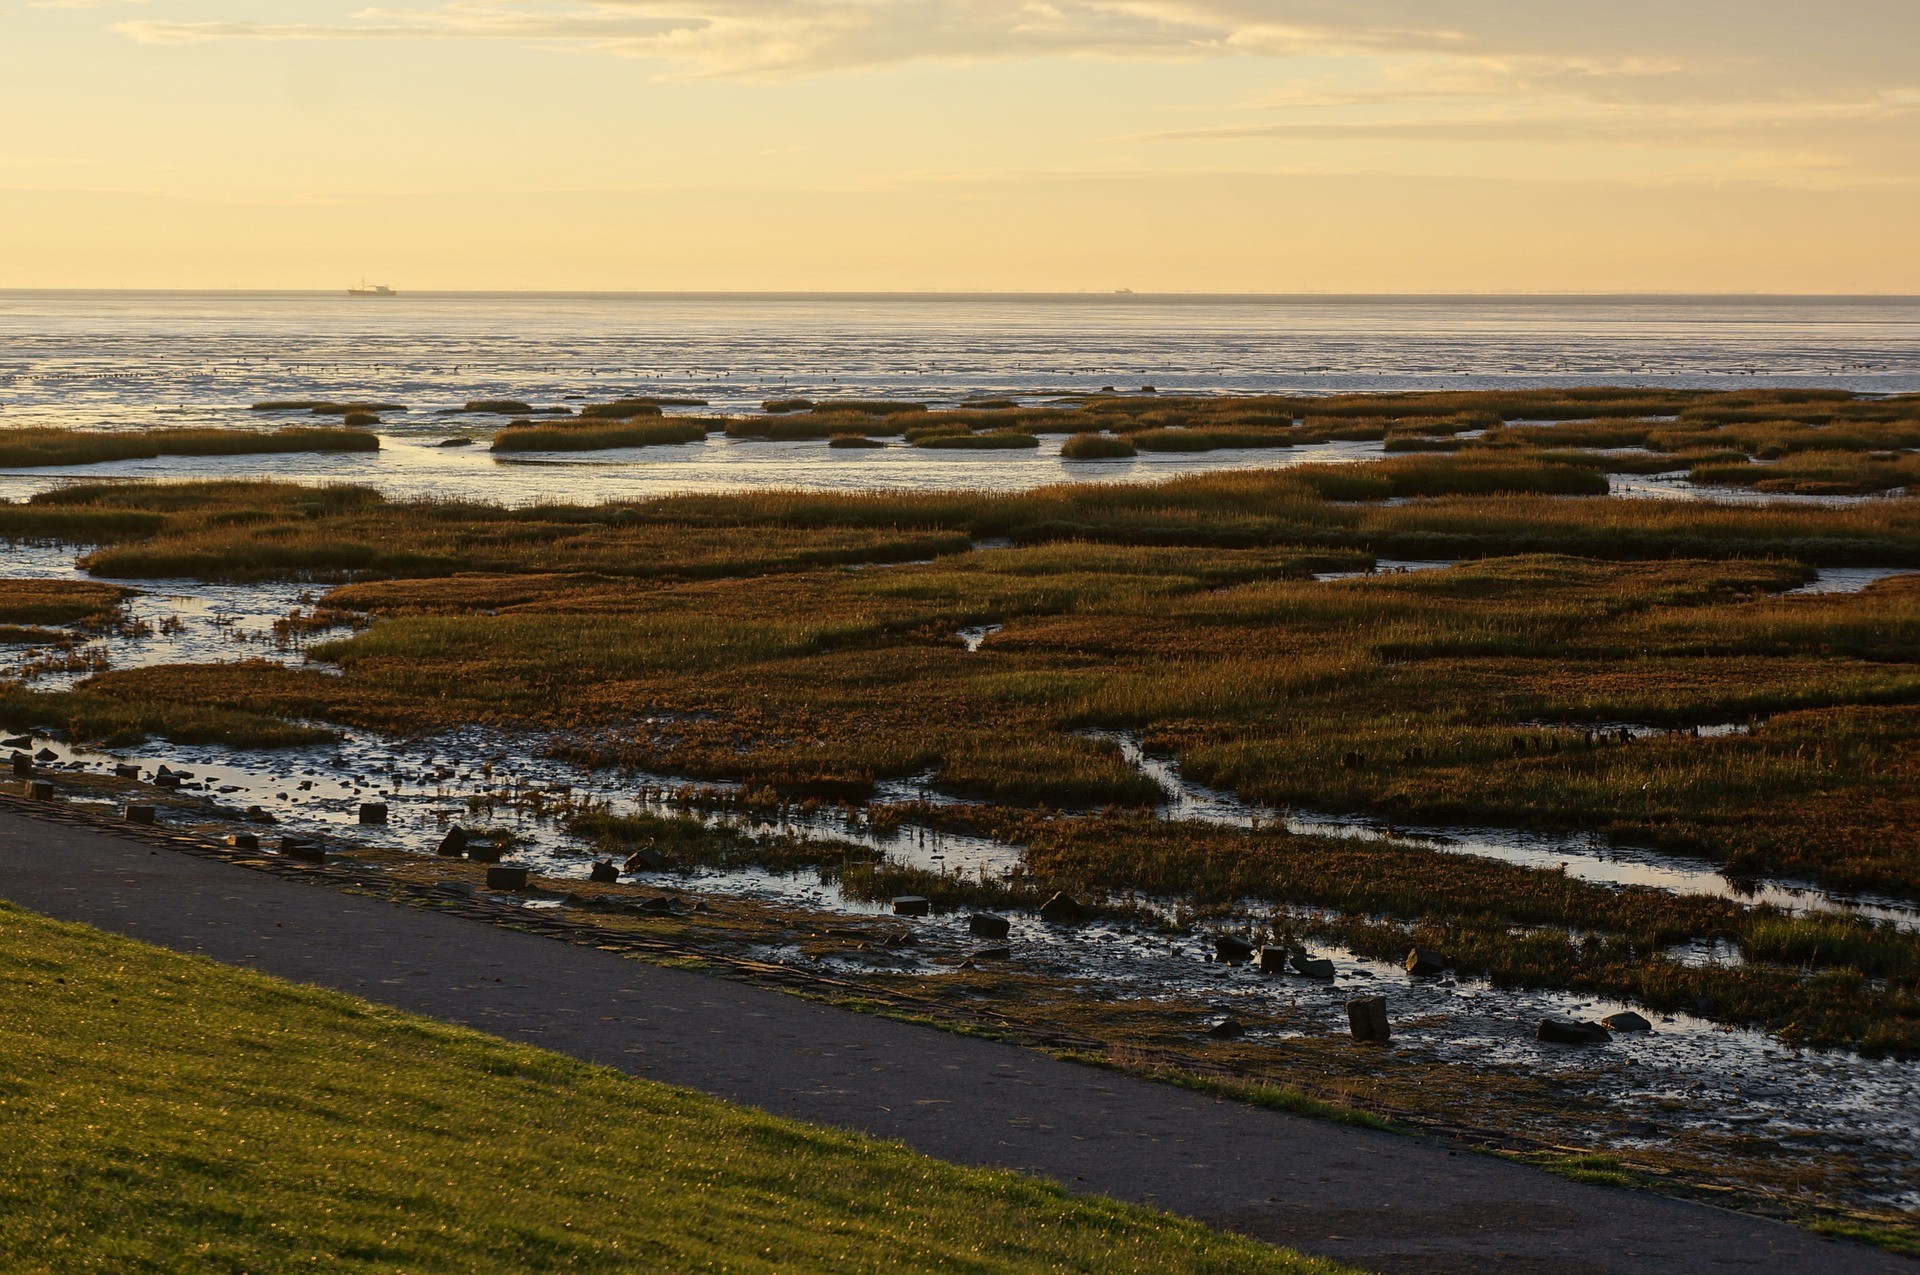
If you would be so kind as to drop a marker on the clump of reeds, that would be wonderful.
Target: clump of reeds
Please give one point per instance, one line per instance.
(47, 445)
(1098, 447)
(594, 435)
(998, 440)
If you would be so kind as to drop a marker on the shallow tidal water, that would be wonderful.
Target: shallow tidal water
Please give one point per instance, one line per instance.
(1689, 1077)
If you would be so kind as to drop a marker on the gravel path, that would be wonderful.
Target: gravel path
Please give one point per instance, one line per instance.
(1380, 1201)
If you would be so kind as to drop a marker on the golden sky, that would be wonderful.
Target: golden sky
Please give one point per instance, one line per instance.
(1159, 145)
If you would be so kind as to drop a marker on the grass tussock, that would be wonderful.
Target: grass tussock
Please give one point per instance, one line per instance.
(44, 445)
(1098, 447)
(595, 434)
(58, 601)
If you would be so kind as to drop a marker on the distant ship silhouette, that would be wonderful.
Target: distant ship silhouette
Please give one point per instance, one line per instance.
(365, 289)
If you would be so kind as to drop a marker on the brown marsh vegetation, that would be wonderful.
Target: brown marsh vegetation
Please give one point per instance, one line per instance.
(44, 445)
(1186, 612)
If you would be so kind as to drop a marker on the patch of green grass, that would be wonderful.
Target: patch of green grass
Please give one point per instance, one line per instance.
(270, 1125)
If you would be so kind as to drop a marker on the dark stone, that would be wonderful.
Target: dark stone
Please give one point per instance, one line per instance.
(1568, 1031)
(243, 841)
(46, 754)
(485, 852)
(17, 741)
(1425, 961)
(139, 814)
(1354, 761)
(1233, 950)
(165, 780)
(126, 772)
(986, 925)
(646, 859)
(373, 812)
(1272, 960)
(38, 789)
(506, 878)
(1311, 966)
(1367, 1019)
(993, 954)
(1062, 909)
(258, 814)
(22, 764)
(454, 844)
(603, 872)
(306, 851)
(1227, 1029)
(661, 905)
(911, 905)
(903, 939)
(1626, 1021)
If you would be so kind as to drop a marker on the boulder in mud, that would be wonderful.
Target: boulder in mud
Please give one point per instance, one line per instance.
(22, 764)
(454, 844)
(603, 872)
(1227, 1029)
(1367, 1019)
(1062, 909)
(993, 954)
(46, 754)
(125, 771)
(506, 878)
(985, 925)
(302, 849)
(139, 814)
(1272, 960)
(646, 859)
(1570, 1031)
(243, 840)
(485, 852)
(1311, 966)
(1231, 949)
(1626, 1021)
(911, 905)
(373, 813)
(1426, 962)
(37, 790)
(17, 741)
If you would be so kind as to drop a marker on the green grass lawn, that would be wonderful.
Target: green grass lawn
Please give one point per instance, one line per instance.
(163, 1113)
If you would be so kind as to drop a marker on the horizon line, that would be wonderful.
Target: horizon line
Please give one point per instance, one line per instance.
(752, 294)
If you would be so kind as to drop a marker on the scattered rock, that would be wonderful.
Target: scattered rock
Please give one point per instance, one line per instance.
(373, 813)
(1367, 1019)
(243, 841)
(1354, 761)
(1425, 962)
(38, 790)
(164, 779)
(1227, 1029)
(1231, 949)
(903, 939)
(124, 771)
(454, 844)
(1062, 909)
(302, 849)
(646, 859)
(17, 741)
(1273, 960)
(911, 905)
(660, 906)
(1311, 966)
(604, 872)
(1626, 1021)
(993, 954)
(506, 878)
(455, 442)
(258, 814)
(1568, 1031)
(139, 814)
(46, 754)
(22, 764)
(485, 852)
(986, 925)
